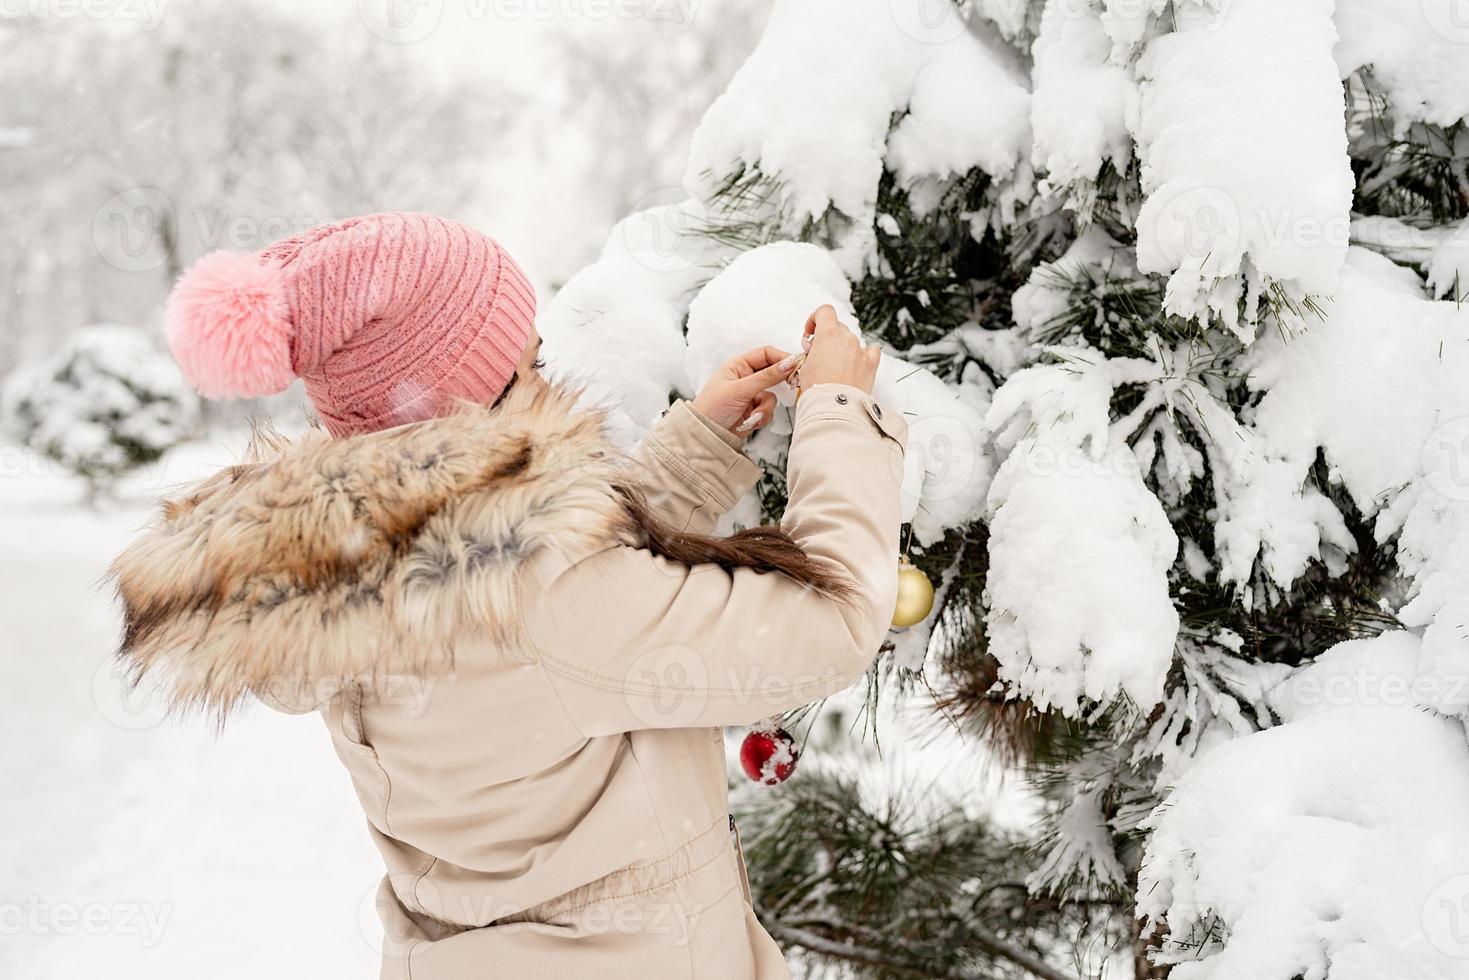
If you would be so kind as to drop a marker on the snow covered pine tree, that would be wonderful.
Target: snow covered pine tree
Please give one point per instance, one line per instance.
(1170, 291)
(110, 400)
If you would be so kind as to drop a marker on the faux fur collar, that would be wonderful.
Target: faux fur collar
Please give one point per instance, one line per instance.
(328, 559)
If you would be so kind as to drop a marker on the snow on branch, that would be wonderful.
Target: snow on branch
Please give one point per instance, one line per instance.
(1079, 609)
(1244, 156)
(812, 107)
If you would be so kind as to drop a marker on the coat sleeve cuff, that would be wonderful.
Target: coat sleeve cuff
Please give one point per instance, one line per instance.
(702, 455)
(837, 401)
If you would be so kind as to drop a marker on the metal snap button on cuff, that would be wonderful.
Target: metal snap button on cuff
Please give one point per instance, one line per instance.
(841, 398)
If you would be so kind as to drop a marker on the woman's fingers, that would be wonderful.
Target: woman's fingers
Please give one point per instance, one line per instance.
(760, 414)
(765, 407)
(755, 359)
(836, 354)
(751, 374)
(771, 374)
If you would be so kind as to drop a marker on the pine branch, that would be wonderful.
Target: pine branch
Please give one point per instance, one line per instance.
(800, 935)
(843, 951)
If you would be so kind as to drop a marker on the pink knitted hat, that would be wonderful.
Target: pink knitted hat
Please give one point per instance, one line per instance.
(389, 318)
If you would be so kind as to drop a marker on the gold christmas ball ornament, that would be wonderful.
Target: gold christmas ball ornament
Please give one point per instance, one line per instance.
(915, 595)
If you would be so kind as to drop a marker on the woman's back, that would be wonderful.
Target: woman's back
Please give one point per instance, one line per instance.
(527, 699)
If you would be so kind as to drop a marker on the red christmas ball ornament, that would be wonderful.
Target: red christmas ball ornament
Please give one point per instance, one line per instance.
(768, 755)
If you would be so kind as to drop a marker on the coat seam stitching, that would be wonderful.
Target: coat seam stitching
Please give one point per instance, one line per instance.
(376, 760)
(417, 881)
(537, 653)
(642, 891)
(687, 473)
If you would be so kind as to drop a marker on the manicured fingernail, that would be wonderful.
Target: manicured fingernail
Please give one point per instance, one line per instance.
(806, 341)
(790, 361)
(750, 422)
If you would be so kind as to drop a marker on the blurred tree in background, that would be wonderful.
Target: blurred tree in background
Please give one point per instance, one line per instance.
(109, 401)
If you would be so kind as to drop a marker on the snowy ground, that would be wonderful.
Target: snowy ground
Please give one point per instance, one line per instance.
(135, 846)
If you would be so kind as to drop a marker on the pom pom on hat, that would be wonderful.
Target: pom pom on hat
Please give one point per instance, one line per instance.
(229, 326)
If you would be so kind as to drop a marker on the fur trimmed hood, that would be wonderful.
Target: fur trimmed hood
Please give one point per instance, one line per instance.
(324, 560)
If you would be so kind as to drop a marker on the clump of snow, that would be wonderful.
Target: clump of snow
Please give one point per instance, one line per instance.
(1368, 383)
(1448, 266)
(1081, 99)
(1433, 551)
(616, 327)
(1083, 848)
(1266, 509)
(1046, 296)
(1377, 388)
(108, 401)
(825, 135)
(946, 470)
(1077, 593)
(1002, 351)
(1329, 846)
(946, 131)
(1225, 696)
(1416, 52)
(1395, 238)
(1310, 846)
(1257, 191)
(1383, 672)
(763, 297)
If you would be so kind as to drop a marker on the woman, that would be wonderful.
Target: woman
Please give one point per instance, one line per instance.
(522, 644)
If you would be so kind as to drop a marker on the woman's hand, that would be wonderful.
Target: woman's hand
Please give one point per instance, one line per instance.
(836, 355)
(738, 397)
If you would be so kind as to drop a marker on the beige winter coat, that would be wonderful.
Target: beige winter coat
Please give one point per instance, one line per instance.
(528, 705)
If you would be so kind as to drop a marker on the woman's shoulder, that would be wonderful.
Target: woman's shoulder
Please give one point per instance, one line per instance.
(322, 558)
